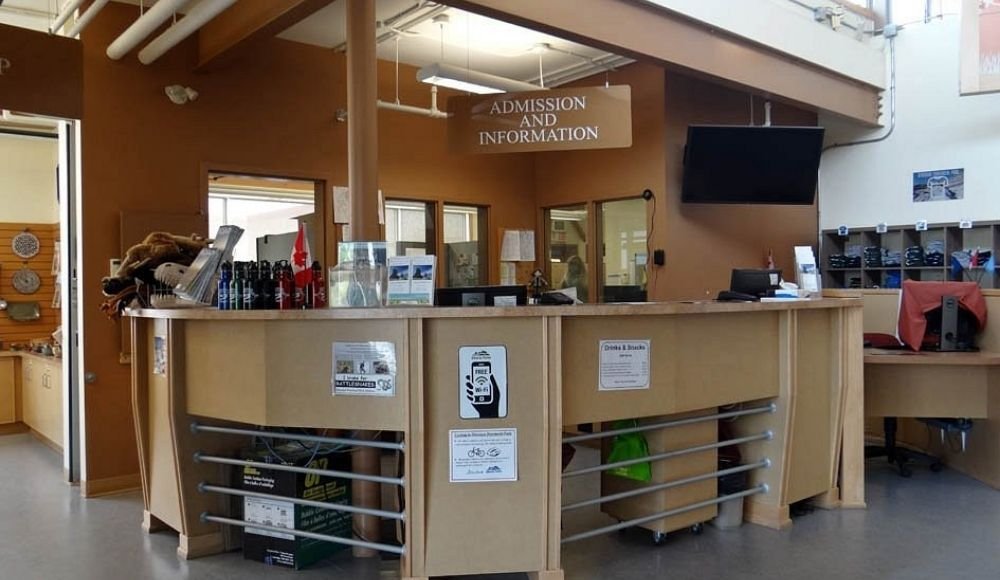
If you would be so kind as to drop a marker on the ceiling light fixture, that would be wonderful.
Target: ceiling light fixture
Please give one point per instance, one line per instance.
(452, 77)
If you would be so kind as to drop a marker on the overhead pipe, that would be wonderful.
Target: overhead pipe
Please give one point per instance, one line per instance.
(432, 11)
(86, 17)
(143, 27)
(64, 15)
(185, 27)
(433, 112)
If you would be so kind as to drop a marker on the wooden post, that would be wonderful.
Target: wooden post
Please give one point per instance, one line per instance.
(362, 164)
(362, 122)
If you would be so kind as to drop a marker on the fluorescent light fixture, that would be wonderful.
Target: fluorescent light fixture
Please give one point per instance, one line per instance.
(453, 77)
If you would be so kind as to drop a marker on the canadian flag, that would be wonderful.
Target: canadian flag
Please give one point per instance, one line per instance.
(302, 258)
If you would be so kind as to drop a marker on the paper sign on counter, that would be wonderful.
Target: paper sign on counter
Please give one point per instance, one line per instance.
(624, 365)
(483, 455)
(364, 368)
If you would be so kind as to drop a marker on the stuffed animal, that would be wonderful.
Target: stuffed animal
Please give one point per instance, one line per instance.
(140, 263)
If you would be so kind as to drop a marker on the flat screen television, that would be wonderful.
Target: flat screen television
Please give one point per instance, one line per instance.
(759, 165)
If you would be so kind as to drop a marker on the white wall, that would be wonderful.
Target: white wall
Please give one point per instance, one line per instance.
(863, 185)
(28, 180)
(788, 27)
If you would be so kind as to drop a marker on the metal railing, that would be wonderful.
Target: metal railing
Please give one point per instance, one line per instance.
(206, 487)
(666, 485)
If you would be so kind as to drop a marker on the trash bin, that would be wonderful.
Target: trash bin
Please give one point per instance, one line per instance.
(730, 511)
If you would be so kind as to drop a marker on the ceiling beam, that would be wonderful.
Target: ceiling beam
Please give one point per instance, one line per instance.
(650, 33)
(247, 23)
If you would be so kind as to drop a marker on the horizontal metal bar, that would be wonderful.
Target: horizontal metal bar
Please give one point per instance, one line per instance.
(207, 517)
(207, 487)
(666, 485)
(762, 488)
(669, 454)
(198, 457)
(198, 428)
(674, 423)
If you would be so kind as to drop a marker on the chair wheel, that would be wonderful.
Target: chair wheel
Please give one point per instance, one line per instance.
(659, 538)
(698, 528)
(937, 466)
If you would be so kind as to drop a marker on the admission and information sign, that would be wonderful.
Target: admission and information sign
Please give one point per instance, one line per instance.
(552, 120)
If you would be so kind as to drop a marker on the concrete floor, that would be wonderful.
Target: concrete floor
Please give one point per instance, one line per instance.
(932, 526)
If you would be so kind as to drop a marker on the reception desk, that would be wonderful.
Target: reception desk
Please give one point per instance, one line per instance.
(785, 371)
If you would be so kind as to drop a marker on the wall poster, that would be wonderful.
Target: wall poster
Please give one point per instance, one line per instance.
(939, 185)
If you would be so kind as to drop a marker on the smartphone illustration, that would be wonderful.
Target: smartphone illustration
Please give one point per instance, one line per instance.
(481, 388)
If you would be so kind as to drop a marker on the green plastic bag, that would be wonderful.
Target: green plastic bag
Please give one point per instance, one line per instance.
(630, 446)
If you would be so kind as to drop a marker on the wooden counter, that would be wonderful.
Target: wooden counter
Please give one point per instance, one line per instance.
(273, 368)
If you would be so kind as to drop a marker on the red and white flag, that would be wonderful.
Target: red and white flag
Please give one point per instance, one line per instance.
(302, 258)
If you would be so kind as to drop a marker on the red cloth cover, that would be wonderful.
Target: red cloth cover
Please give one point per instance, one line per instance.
(919, 298)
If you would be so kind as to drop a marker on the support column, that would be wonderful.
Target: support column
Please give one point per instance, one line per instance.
(362, 178)
(362, 122)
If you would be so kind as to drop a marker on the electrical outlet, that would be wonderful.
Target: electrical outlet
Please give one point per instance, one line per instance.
(113, 265)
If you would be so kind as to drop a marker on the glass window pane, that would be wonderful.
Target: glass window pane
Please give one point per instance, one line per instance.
(409, 228)
(264, 216)
(566, 237)
(464, 253)
(623, 266)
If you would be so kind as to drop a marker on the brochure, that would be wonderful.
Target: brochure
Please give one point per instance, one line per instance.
(411, 280)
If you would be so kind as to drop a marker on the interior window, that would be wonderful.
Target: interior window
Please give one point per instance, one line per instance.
(566, 252)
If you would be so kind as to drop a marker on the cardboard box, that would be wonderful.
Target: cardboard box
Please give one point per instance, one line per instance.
(278, 549)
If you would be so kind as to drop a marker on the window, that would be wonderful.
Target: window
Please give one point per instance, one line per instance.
(465, 250)
(566, 251)
(260, 213)
(409, 228)
(623, 261)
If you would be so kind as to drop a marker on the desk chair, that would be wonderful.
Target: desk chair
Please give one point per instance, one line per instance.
(904, 458)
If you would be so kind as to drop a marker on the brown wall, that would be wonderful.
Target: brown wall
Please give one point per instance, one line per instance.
(10, 331)
(271, 112)
(702, 242)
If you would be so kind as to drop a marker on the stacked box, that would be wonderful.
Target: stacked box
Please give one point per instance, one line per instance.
(279, 549)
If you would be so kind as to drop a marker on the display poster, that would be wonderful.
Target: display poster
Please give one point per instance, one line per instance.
(624, 365)
(411, 280)
(481, 455)
(980, 47)
(159, 355)
(364, 368)
(939, 185)
(482, 382)
(807, 275)
(269, 512)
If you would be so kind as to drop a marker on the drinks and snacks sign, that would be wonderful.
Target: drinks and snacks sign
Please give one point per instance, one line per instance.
(552, 120)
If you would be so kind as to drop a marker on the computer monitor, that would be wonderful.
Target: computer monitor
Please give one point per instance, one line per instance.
(943, 316)
(481, 296)
(624, 294)
(756, 282)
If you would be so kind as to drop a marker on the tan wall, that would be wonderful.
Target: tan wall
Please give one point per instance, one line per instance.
(702, 242)
(28, 179)
(272, 112)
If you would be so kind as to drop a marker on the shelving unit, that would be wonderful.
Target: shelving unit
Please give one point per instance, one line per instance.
(982, 236)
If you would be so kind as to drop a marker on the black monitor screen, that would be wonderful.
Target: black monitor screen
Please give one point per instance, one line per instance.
(737, 164)
(755, 282)
(482, 296)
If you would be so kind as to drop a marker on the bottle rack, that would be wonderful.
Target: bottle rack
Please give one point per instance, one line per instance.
(984, 236)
